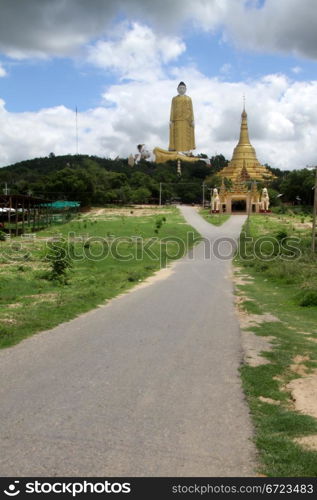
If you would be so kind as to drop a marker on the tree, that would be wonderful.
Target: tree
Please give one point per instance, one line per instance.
(92, 180)
(218, 162)
(298, 183)
(141, 195)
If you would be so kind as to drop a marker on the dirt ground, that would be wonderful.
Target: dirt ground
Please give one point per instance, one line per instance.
(309, 442)
(253, 345)
(304, 392)
(135, 211)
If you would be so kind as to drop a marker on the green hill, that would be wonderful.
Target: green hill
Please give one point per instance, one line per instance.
(93, 180)
(99, 181)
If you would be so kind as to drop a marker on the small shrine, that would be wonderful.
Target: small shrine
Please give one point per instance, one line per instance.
(240, 199)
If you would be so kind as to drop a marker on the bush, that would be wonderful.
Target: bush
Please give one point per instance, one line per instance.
(280, 209)
(307, 297)
(60, 261)
(23, 269)
(2, 236)
(288, 272)
(261, 266)
(134, 276)
(281, 235)
(158, 224)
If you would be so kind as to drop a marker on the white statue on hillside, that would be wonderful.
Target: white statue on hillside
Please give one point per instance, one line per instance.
(142, 154)
(215, 201)
(131, 161)
(265, 200)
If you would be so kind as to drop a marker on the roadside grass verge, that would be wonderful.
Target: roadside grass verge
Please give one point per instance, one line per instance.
(215, 219)
(277, 287)
(108, 256)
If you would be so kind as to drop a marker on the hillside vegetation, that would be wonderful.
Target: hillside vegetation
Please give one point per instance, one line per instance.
(99, 181)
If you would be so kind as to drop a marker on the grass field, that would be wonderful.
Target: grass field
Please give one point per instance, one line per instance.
(215, 219)
(286, 290)
(106, 261)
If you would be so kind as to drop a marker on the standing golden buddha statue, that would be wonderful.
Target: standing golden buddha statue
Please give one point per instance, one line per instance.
(182, 137)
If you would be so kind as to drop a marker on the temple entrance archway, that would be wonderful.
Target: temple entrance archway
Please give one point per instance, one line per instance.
(239, 205)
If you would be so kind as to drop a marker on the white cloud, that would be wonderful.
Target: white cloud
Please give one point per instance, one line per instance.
(2, 71)
(138, 54)
(297, 69)
(282, 120)
(41, 28)
(288, 26)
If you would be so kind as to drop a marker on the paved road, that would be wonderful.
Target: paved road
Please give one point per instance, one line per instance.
(145, 386)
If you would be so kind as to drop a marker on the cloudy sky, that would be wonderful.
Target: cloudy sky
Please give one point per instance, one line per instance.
(119, 62)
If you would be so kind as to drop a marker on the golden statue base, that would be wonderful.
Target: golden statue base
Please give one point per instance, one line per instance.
(162, 156)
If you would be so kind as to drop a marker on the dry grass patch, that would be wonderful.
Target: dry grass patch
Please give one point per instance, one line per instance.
(304, 393)
(298, 366)
(247, 319)
(14, 306)
(9, 321)
(133, 211)
(307, 442)
(43, 297)
(269, 401)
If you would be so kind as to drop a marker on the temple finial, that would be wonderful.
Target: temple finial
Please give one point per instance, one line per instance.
(244, 113)
(244, 135)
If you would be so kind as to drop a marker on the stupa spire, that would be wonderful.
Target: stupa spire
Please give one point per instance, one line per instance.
(244, 163)
(244, 132)
(244, 150)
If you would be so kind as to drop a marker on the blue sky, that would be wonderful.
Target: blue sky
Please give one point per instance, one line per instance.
(121, 69)
(32, 84)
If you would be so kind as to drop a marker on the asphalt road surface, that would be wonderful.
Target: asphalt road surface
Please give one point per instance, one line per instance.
(146, 385)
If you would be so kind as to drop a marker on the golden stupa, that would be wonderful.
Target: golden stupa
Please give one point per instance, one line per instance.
(244, 163)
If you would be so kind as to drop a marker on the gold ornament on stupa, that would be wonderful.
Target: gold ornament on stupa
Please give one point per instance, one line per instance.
(244, 163)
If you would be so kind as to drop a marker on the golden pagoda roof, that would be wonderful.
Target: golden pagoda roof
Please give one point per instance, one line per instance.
(244, 163)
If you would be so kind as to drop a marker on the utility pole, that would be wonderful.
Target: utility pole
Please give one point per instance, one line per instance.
(313, 246)
(203, 195)
(76, 131)
(248, 212)
(249, 200)
(6, 190)
(160, 202)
